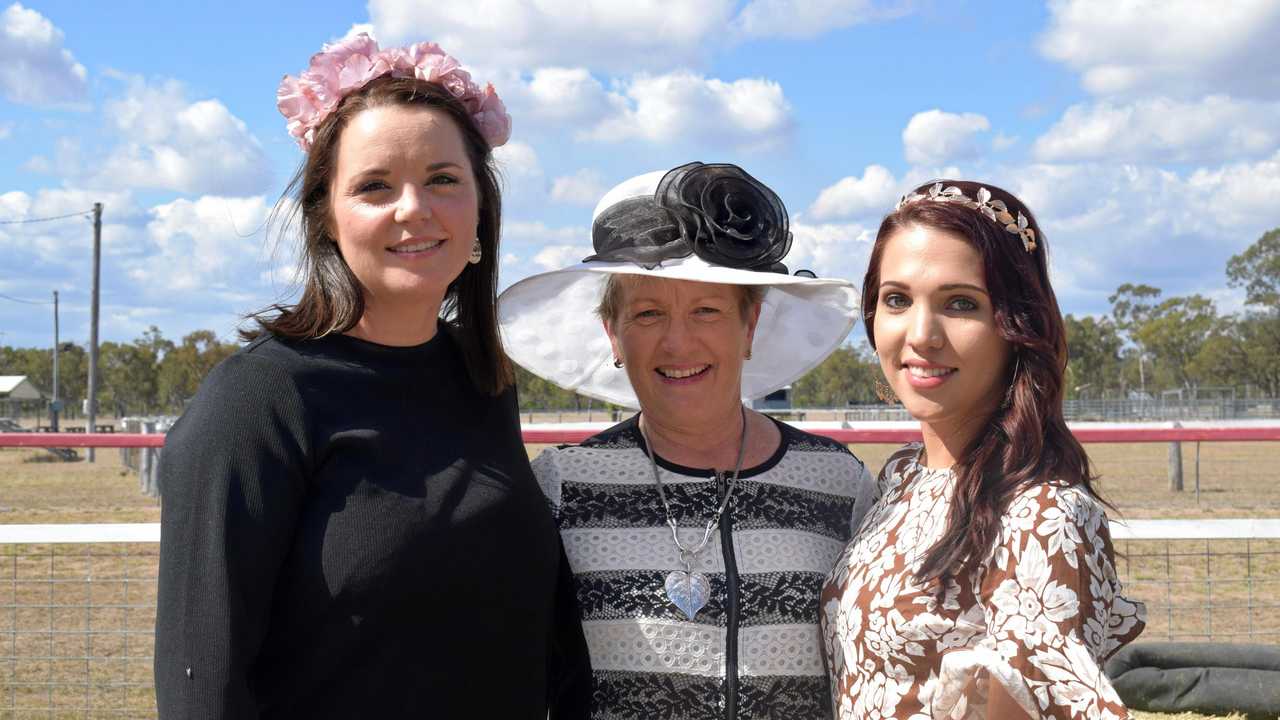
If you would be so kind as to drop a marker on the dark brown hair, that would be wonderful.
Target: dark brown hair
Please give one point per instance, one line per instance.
(1026, 441)
(332, 299)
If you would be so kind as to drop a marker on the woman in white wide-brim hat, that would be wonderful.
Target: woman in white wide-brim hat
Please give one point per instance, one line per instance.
(699, 531)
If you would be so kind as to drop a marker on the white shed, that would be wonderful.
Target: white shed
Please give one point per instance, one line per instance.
(16, 393)
(18, 387)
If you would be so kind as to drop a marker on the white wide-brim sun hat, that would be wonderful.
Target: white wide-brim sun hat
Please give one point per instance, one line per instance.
(550, 327)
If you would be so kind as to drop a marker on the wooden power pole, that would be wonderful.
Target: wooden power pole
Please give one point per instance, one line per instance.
(93, 324)
(55, 407)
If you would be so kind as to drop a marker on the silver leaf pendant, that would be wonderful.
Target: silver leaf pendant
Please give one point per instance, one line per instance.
(689, 591)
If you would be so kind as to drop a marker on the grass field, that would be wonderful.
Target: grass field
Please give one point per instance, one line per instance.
(76, 620)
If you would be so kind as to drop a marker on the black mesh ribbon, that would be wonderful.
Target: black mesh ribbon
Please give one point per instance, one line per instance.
(718, 212)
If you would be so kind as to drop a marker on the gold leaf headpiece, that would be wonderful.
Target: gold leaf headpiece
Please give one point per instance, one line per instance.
(995, 210)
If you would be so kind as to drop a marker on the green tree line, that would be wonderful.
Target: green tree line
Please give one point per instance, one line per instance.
(1148, 344)
(151, 375)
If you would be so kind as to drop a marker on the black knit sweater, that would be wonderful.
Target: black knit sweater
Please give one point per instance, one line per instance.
(352, 530)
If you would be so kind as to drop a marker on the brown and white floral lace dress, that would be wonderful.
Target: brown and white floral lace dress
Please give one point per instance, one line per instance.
(1023, 635)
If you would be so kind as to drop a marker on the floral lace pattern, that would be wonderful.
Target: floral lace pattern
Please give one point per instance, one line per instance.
(1024, 634)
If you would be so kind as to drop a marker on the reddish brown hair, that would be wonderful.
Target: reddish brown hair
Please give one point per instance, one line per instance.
(1026, 442)
(332, 299)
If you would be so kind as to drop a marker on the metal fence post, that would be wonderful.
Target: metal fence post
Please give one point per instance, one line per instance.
(1175, 464)
(147, 463)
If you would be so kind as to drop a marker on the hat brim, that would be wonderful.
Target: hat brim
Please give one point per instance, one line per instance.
(549, 325)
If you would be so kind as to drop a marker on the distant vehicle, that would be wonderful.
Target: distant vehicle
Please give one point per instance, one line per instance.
(776, 400)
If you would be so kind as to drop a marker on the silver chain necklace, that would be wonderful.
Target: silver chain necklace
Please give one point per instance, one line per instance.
(689, 590)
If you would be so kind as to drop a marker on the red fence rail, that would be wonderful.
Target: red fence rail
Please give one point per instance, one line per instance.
(844, 435)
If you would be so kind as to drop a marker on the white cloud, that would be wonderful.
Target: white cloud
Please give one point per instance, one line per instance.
(684, 106)
(584, 187)
(1003, 142)
(1162, 130)
(6, 129)
(34, 67)
(14, 205)
(534, 246)
(554, 257)
(1174, 47)
(1109, 224)
(538, 233)
(831, 249)
(1105, 224)
(1242, 195)
(873, 193)
(934, 137)
(566, 95)
(62, 242)
(607, 34)
(807, 18)
(518, 160)
(206, 244)
(172, 143)
(354, 30)
(66, 159)
(524, 186)
(661, 108)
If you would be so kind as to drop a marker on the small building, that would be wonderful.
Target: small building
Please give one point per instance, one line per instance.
(18, 393)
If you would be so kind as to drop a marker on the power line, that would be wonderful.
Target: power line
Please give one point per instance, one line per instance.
(27, 302)
(82, 213)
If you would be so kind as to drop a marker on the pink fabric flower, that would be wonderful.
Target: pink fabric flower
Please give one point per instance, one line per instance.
(492, 118)
(346, 66)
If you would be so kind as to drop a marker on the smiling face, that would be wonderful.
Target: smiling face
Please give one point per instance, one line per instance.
(683, 344)
(935, 329)
(404, 206)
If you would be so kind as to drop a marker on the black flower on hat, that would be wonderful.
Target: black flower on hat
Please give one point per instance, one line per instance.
(718, 212)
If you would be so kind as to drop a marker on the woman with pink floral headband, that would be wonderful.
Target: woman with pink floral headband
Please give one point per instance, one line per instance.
(350, 527)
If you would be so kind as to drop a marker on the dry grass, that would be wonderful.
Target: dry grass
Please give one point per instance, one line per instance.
(35, 490)
(1183, 716)
(99, 599)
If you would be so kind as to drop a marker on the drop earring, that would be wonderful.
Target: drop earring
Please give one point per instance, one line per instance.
(477, 253)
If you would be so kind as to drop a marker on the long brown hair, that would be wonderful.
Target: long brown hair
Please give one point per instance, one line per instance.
(1026, 440)
(332, 299)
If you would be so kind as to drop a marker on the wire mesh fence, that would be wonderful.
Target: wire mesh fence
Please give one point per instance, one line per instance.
(76, 629)
(1205, 590)
(77, 619)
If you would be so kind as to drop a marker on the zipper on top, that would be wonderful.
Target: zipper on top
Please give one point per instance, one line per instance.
(731, 603)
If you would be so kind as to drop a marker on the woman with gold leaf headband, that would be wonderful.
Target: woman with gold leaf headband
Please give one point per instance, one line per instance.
(982, 582)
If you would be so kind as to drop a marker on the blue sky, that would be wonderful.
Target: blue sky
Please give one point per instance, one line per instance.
(1145, 135)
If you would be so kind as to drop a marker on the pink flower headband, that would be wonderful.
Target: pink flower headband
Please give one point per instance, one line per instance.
(338, 69)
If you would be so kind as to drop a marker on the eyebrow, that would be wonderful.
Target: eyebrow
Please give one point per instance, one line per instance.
(948, 286)
(381, 171)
